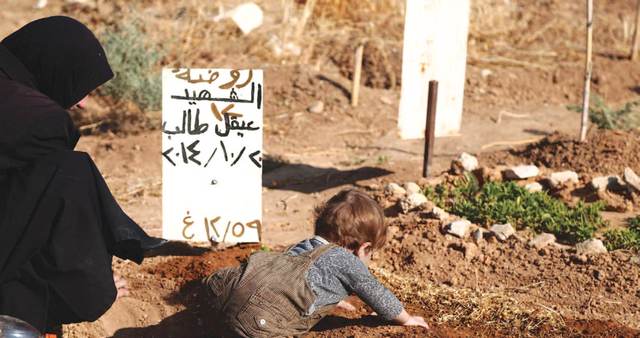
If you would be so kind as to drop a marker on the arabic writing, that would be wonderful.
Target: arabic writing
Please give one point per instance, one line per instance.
(212, 131)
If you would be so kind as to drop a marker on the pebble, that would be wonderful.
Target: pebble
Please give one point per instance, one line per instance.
(470, 251)
(440, 214)
(542, 240)
(631, 178)
(468, 162)
(412, 201)
(604, 182)
(485, 72)
(316, 107)
(635, 260)
(533, 187)
(458, 228)
(478, 235)
(395, 189)
(562, 177)
(502, 231)
(590, 247)
(522, 172)
(412, 188)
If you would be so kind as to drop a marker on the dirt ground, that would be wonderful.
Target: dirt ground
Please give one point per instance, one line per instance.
(514, 113)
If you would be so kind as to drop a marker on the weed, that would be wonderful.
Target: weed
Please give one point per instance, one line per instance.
(506, 202)
(628, 238)
(382, 159)
(605, 117)
(137, 78)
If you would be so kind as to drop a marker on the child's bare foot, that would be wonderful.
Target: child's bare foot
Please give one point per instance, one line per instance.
(344, 305)
(121, 286)
(416, 321)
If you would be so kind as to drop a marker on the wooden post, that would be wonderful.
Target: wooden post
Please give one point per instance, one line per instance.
(636, 35)
(584, 125)
(429, 131)
(357, 71)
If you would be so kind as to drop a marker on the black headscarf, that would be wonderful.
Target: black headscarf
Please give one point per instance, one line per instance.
(65, 58)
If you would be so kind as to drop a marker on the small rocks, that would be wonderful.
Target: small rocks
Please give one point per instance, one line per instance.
(412, 188)
(562, 177)
(521, 172)
(631, 178)
(502, 231)
(533, 187)
(590, 247)
(542, 240)
(395, 189)
(439, 214)
(478, 235)
(605, 182)
(466, 162)
(470, 251)
(412, 201)
(316, 107)
(458, 228)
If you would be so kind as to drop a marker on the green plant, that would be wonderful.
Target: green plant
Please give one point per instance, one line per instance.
(135, 64)
(605, 117)
(628, 238)
(506, 202)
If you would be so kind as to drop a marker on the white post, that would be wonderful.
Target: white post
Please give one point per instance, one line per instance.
(435, 48)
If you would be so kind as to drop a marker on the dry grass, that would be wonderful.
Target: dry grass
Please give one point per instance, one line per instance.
(469, 308)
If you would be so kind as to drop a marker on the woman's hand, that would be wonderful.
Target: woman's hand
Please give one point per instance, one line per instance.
(121, 286)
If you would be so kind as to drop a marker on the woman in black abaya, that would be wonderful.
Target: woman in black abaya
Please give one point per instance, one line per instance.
(59, 224)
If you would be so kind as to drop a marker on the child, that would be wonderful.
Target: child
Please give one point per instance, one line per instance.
(280, 294)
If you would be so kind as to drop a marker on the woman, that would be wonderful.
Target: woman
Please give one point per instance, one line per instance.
(59, 224)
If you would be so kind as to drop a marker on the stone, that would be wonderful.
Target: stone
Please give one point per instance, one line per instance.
(590, 247)
(470, 251)
(604, 182)
(522, 172)
(412, 201)
(563, 177)
(316, 107)
(440, 214)
(542, 240)
(247, 16)
(631, 178)
(395, 189)
(478, 235)
(458, 228)
(468, 162)
(502, 231)
(533, 187)
(412, 188)
(485, 72)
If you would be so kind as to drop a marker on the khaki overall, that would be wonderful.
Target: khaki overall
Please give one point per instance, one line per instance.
(268, 295)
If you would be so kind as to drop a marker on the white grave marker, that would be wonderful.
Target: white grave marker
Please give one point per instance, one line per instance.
(434, 48)
(212, 154)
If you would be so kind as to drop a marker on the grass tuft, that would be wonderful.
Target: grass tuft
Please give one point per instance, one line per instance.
(506, 202)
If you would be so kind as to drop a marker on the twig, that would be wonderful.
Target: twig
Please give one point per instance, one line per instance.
(91, 125)
(511, 143)
(506, 113)
(504, 61)
(636, 34)
(355, 92)
(584, 125)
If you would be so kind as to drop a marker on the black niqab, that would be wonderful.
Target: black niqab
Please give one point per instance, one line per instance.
(59, 223)
(63, 55)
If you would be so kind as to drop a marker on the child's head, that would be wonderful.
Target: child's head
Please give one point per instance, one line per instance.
(352, 220)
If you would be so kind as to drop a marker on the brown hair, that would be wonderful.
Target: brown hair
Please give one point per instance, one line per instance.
(351, 218)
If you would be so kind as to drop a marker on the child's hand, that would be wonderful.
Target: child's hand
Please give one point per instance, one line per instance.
(344, 305)
(121, 286)
(406, 319)
(416, 321)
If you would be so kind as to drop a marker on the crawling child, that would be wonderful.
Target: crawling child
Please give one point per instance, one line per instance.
(283, 294)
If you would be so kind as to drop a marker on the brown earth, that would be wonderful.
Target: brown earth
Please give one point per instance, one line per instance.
(530, 65)
(605, 152)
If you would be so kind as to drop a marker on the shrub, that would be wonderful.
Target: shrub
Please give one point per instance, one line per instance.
(628, 238)
(506, 202)
(137, 77)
